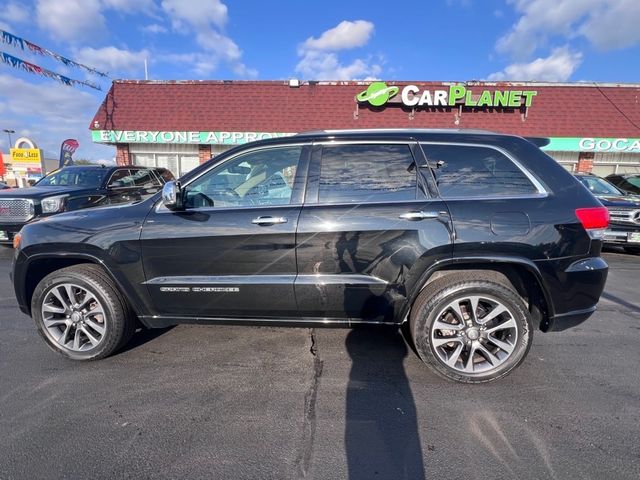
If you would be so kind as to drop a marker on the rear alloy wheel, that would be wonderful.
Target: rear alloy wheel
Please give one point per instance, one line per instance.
(80, 313)
(470, 328)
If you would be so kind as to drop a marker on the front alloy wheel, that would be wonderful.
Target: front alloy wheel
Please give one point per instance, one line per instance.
(81, 314)
(73, 317)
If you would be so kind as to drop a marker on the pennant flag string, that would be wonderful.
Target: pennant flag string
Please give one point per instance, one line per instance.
(16, 41)
(35, 69)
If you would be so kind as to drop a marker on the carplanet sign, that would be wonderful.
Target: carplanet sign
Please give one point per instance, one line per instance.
(378, 94)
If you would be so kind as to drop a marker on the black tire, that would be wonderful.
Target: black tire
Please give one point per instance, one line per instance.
(438, 295)
(119, 319)
(632, 250)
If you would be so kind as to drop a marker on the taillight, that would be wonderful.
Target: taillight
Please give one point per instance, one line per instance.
(594, 220)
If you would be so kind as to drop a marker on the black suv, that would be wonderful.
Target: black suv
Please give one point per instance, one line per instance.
(73, 188)
(624, 212)
(627, 182)
(474, 239)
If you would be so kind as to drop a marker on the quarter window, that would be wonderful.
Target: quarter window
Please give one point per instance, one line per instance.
(470, 171)
(263, 177)
(367, 173)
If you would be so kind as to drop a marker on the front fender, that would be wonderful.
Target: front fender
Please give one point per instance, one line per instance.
(108, 236)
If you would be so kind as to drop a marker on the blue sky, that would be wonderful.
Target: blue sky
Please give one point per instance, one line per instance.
(549, 40)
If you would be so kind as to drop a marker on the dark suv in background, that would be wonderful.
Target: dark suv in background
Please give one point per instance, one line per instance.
(73, 188)
(473, 239)
(624, 212)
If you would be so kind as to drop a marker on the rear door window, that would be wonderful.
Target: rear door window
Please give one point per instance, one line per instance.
(145, 178)
(475, 171)
(367, 173)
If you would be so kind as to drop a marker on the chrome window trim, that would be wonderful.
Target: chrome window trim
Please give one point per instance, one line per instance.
(160, 208)
(542, 192)
(366, 142)
(418, 201)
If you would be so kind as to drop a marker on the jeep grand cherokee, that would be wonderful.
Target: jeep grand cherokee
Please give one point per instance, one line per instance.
(474, 239)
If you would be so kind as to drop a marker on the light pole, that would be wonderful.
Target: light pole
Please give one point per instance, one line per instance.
(9, 132)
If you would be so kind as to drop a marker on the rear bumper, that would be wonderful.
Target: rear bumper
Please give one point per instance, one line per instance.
(574, 289)
(571, 319)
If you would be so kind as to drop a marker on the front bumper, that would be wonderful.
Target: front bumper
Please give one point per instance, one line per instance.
(8, 231)
(622, 235)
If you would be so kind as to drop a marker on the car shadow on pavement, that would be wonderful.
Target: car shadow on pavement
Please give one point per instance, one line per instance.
(621, 302)
(142, 336)
(381, 435)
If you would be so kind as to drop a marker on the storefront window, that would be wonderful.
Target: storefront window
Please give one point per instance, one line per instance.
(188, 162)
(169, 162)
(179, 159)
(144, 160)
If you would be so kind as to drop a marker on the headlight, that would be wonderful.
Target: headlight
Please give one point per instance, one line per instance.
(53, 204)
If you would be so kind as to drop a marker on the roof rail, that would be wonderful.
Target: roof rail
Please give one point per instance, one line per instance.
(394, 130)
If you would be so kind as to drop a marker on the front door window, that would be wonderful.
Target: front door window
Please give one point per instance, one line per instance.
(263, 177)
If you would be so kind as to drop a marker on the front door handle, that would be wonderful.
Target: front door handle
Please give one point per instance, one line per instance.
(414, 216)
(268, 220)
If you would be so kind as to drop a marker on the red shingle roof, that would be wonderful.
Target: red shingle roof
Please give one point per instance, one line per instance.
(559, 110)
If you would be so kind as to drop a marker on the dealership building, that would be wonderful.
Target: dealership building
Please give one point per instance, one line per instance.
(179, 124)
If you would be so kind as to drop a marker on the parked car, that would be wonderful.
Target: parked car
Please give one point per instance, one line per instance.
(627, 182)
(473, 239)
(624, 212)
(74, 188)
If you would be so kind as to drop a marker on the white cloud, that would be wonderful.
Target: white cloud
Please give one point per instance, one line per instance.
(113, 59)
(614, 26)
(205, 19)
(319, 59)
(557, 67)
(327, 66)
(154, 28)
(199, 13)
(71, 20)
(607, 24)
(130, 5)
(343, 36)
(50, 113)
(83, 20)
(14, 13)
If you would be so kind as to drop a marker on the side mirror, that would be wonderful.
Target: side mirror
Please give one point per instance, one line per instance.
(172, 196)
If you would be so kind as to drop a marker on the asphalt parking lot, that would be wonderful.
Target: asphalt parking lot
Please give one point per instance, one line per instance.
(260, 403)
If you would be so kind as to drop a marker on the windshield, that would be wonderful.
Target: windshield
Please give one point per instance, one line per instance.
(74, 177)
(599, 186)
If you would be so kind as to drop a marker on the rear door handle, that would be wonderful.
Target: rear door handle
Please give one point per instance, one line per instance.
(268, 220)
(414, 216)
